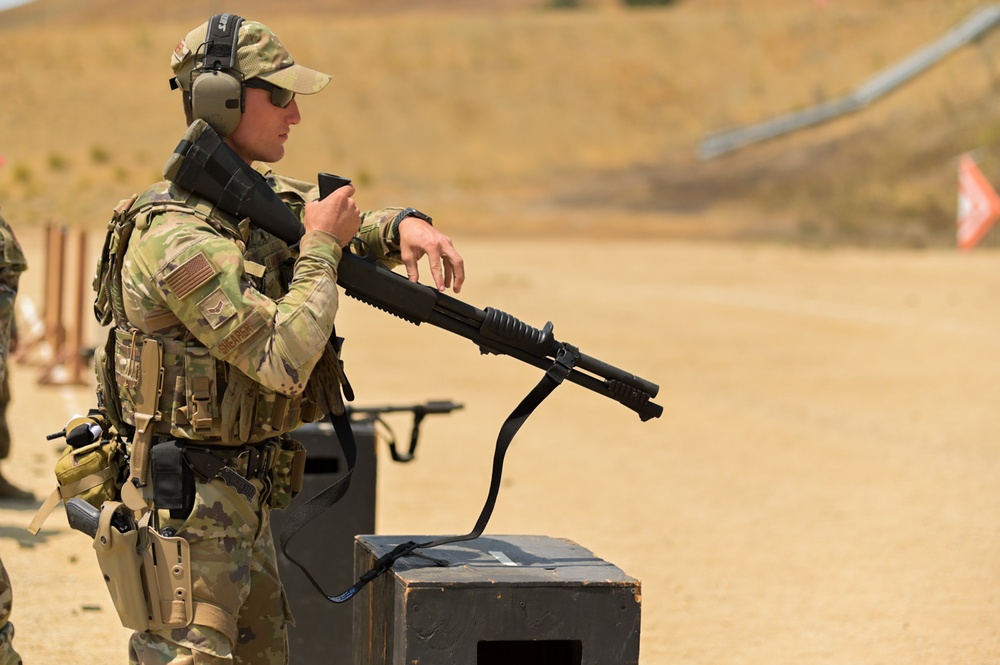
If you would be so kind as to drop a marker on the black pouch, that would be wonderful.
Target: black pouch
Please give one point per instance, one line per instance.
(173, 479)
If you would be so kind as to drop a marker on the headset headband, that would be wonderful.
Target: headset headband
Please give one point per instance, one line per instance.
(222, 42)
(217, 84)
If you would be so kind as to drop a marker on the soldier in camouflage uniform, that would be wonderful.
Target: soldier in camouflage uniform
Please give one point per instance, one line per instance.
(12, 264)
(7, 654)
(244, 322)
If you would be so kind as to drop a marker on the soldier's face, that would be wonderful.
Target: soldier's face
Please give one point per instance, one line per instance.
(264, 128)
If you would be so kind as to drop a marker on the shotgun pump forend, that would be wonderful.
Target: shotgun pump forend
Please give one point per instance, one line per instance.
(203, 164)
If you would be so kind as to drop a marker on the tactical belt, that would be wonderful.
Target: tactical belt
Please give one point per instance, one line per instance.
(177, 464)
(235, 467)
(252, 461)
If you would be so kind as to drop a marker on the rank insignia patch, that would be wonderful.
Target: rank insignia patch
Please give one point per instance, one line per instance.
(217, 308)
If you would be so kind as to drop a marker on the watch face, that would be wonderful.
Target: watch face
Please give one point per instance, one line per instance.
(413, 212)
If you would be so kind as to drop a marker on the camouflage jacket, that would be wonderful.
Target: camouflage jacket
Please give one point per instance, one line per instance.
(12, 264)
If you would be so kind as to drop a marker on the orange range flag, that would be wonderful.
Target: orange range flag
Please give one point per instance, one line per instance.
(978, 204)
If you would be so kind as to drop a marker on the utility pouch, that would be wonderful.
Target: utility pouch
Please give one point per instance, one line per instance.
(173, 479)
(120, 562)
(288, 474)
(94, 472)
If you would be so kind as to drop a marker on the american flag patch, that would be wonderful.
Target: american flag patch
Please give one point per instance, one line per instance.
(191, 274)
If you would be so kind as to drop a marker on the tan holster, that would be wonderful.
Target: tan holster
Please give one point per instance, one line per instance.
(148, 575)
(120, 561)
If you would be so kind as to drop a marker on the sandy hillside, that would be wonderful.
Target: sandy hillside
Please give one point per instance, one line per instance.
(512, 128)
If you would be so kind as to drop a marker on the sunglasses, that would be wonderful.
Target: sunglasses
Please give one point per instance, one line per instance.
(279, 96)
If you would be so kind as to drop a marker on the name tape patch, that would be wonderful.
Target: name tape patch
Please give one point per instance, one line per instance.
(242, 334)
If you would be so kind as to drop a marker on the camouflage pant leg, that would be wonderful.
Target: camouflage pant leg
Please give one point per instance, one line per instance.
(4, 429)
(265, 614)
(6, 596)
(232, 556)
(7, 654)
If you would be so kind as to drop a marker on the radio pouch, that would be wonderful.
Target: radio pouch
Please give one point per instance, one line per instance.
(173, 479)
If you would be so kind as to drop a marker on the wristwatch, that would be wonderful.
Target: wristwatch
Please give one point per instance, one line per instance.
(403, 214)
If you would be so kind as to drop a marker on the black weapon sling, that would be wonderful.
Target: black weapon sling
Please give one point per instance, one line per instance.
(566, 359)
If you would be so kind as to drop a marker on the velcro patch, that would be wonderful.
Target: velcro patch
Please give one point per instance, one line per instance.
(160, 320)
(242, 335)
(191, 274)
(251, 268)
(217, 308)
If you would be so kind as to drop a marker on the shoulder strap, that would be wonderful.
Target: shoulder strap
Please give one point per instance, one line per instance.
(108, 278)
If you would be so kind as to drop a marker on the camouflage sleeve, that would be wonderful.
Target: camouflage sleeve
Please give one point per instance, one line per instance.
(182, 265)
(12, 264)
(378, 232)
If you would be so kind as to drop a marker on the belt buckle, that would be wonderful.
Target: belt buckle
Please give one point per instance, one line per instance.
(252, 462)
(270, 454)
(265, 456)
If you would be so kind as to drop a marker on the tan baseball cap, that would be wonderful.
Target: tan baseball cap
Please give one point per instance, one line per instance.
(260, 54)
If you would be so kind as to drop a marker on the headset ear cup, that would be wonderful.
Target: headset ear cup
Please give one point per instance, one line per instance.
(217, 98)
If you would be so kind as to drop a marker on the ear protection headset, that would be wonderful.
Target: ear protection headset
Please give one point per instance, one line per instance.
(217, 85)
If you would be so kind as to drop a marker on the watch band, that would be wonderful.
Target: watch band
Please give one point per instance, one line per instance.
(403, 214)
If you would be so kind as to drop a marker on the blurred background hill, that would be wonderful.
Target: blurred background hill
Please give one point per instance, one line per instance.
(532, 116)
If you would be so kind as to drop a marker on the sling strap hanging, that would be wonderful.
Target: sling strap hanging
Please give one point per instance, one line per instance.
(566, 358)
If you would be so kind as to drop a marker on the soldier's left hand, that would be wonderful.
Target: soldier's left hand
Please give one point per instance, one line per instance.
(417, 239)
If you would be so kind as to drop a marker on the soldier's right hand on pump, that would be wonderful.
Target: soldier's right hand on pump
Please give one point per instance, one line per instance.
(337, 214)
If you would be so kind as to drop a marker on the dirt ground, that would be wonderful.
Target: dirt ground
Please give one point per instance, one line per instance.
(822, 487)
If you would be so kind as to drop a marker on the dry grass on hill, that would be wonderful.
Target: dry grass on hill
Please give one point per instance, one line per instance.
(523, 118)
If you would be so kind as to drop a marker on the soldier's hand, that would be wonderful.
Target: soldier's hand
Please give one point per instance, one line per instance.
(417, 239)
(337, 214)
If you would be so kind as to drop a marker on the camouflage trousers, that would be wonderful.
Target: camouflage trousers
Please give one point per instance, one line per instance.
(7, 654)
(234, 566)
(4, 429)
